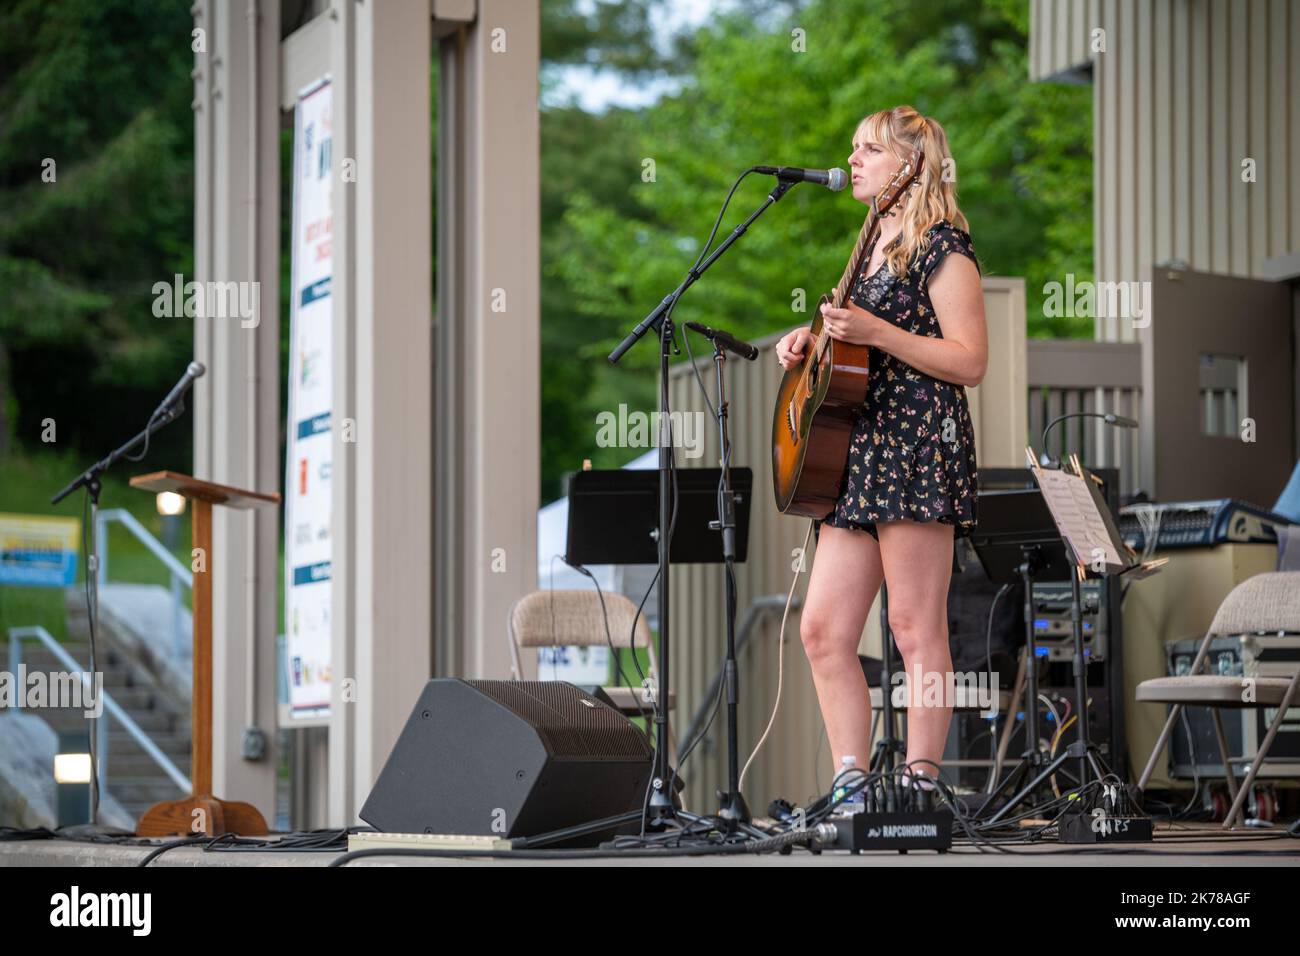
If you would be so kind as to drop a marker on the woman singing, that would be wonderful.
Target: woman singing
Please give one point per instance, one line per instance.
(910, 482)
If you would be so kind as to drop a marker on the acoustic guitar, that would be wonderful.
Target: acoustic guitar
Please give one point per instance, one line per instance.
(819, 397)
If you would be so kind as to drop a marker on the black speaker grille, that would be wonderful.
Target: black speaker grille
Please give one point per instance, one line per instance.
(567, 726)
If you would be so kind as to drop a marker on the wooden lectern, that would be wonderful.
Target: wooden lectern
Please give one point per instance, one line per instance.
(176, 817)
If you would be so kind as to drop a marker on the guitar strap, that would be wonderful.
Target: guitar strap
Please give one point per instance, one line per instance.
(877, 292)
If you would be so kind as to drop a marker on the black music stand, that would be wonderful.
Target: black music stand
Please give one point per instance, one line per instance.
(614, 519)
(1017, 539)
(1110, 595)
(614, 516)
(1016, 524)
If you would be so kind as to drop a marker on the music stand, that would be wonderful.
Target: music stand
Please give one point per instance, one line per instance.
(1077, 513)
(1110, 594)
(1017, 539)
(614, 519)
(613, 516)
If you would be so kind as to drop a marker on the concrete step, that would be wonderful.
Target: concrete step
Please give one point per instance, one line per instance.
(152, 722)
(142, 790)
(172, 744)
(141, 764)
(135, 649)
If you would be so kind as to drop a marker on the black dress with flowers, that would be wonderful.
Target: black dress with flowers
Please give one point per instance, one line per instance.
(912, 452)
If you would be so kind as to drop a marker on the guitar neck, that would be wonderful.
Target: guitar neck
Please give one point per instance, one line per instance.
(861, 249)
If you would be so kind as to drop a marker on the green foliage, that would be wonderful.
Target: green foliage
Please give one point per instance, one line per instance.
(1024, 172)
(103, 88)
(100, 88)
(28, 482)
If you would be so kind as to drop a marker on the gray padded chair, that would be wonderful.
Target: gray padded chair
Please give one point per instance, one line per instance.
(1266, 603)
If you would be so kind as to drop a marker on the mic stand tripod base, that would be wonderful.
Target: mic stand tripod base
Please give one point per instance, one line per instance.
(1100, 824)
(733, 809)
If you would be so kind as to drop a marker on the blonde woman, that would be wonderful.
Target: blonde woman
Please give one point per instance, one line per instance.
(909, 485)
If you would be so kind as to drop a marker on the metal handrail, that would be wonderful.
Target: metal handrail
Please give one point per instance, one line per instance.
(768, 604)
(178, 573)
(37, 633)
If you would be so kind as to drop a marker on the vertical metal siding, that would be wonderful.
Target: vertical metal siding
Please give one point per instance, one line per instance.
(1185, 91)
(795, 761)
(1059, 35)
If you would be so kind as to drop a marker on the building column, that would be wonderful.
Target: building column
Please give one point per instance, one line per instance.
(381, 567)
(487, 430)
(236, 404)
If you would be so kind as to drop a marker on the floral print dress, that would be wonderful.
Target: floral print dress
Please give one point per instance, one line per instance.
(912, 451)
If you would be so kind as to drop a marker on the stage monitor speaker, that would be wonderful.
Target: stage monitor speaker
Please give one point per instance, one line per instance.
(509, 759)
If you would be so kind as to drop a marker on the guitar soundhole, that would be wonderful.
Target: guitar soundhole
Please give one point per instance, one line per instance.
(789, 418)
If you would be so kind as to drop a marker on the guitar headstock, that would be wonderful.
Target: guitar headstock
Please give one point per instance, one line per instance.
(903, 179)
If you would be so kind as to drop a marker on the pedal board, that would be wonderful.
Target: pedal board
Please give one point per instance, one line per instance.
(894, 831)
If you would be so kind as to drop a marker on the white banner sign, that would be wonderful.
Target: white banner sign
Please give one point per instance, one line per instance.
(309, 446)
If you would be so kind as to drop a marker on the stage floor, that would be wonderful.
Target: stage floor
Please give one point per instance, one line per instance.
(1186, 845)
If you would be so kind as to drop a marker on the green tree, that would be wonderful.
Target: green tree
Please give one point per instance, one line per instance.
(96, 143)
(791, 90)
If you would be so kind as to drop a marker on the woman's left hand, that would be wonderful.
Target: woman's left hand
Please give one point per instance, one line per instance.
(852, 324)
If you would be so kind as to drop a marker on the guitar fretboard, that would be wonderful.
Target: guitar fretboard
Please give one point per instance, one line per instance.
(854, 264)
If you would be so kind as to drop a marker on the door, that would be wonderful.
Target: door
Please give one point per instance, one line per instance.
(1218, 389)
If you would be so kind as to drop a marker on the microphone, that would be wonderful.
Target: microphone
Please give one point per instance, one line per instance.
(832, 179)
(192, 371)
(727, 341)
(1113, 419)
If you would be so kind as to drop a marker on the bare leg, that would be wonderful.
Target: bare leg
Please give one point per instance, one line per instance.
(917, 559)
(845, 578)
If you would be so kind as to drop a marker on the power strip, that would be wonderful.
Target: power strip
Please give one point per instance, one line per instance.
(426, 841)
(1081, 828)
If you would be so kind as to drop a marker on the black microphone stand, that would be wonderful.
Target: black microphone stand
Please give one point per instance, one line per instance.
(90, 480)
(889, 748)
(733, 808)
(660, 811)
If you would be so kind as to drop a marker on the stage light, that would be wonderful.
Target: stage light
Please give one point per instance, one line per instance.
(170, 503)
(72, 768)
(72, 779)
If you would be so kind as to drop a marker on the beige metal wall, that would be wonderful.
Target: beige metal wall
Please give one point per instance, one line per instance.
(795, 762)
(1058, 34)
(1184, 92)
(1073, 375)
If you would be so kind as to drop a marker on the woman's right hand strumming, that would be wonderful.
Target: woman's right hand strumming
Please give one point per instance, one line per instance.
(790, 350)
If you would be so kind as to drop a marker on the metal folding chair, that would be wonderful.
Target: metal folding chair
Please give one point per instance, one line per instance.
(1266, 603)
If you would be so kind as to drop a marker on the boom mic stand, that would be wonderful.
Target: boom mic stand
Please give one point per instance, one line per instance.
(660, 812)
(90, 479)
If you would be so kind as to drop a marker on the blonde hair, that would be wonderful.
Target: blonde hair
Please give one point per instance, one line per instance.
(932, 199)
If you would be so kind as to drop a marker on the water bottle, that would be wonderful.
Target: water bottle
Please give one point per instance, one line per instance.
(846, 780)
